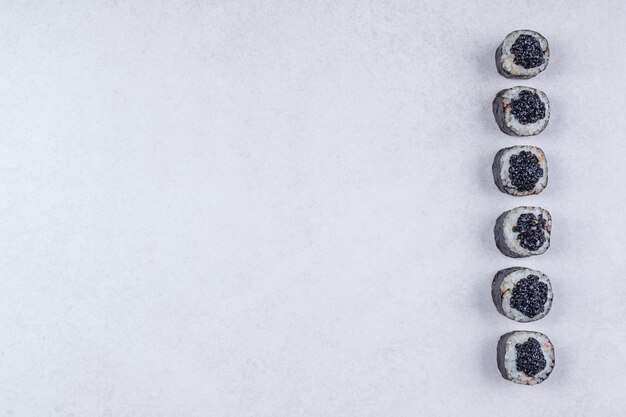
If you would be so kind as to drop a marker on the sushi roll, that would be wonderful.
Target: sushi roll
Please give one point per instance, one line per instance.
(522, 294)
(521, 111)
(522, 54)
(523, 231)
(520, 170)
(525, 357)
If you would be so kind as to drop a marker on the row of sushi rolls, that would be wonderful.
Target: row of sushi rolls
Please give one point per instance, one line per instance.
(522, 294)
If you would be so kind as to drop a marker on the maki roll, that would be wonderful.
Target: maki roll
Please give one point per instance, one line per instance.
(522, 294)
(521, 111)
(523, 231)
(522, 54)
(520, 170)
(525, 357)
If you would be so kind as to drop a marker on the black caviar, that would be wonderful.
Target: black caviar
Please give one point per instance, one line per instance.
(530, 359)
(524, 170)
(531, 231)
(528, 107)
(527, 51)
(529, 296)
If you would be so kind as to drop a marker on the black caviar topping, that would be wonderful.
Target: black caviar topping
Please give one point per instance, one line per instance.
(527, 51)
(529, 296)
(531, 231)
(528, 107)
(524, 170)
(530, 359)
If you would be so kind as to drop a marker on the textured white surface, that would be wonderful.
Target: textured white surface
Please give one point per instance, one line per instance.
(275, 209)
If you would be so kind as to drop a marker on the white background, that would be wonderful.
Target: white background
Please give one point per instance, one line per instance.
(273, 208)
